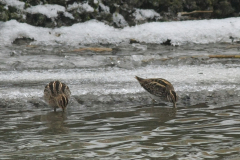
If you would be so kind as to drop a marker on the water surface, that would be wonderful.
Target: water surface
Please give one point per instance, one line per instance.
(110, 116)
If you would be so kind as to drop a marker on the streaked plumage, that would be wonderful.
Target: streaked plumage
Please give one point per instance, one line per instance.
(56, 94)
(159, 87)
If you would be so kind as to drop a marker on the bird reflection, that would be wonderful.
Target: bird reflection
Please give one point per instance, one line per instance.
(163, 114)
(55, 122)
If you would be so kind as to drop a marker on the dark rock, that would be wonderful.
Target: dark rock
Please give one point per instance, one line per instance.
(39, 20)
(167, 42)
(223, 9)
(133, 41)
(4, 16)
(62, 20)
(22, 41)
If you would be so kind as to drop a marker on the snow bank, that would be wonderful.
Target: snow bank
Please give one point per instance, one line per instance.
(199, 31)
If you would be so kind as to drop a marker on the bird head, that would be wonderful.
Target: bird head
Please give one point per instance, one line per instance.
(62, 101)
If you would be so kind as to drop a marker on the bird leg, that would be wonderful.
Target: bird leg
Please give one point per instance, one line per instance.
(153, 100)
(174, 105)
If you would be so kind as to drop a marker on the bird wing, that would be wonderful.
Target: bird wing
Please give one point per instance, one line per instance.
(163, 82)
(155, 88)
(55, 88)
(161, 90)
(65, 89)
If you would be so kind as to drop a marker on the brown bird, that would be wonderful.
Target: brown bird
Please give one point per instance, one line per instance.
(56, 94)
(159, 87)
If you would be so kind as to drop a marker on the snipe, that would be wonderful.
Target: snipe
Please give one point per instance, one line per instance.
(56, 94)
(159, 87)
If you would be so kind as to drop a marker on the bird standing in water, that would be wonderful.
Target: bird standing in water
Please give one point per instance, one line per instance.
(56, 94)
(159, 87)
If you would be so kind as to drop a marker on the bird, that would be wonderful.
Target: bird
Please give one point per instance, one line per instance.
(56, 94)
(159, 87)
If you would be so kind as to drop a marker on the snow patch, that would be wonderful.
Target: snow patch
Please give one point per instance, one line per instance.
(142, 14)
(119, 20)
(69, 15)
(51, 11)
(82, 7)
(14, 3)
(104, 8)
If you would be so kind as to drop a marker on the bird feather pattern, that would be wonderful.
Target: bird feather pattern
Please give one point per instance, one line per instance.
(159, 87)
(56, 94)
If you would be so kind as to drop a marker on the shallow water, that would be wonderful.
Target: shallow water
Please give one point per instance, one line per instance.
(110, 116)
(128, 132)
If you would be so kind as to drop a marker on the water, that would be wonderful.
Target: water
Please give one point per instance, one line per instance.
(128, 132)
(110, 116)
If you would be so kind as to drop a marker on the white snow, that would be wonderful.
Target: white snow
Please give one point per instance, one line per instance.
(82, 7)
(14, 3)
(119, 20)
(50, 11)
(104, 8)
(69, 15)
(142, 14)
(198, 31)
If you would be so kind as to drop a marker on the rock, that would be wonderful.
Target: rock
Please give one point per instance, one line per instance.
(22, 41)
(167, 42)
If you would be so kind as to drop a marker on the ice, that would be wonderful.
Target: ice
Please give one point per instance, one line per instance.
(212, 74)
(122, 81)
(91, 32)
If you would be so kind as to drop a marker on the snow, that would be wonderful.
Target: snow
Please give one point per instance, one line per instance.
(105, 9)
(198, 31)
(50, 11)
(119, 20)
(14, 3)
(82, 7)
(142, 14)
(69, 15)
(90, 32)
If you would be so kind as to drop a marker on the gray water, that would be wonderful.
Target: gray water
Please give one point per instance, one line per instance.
(110, 116)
